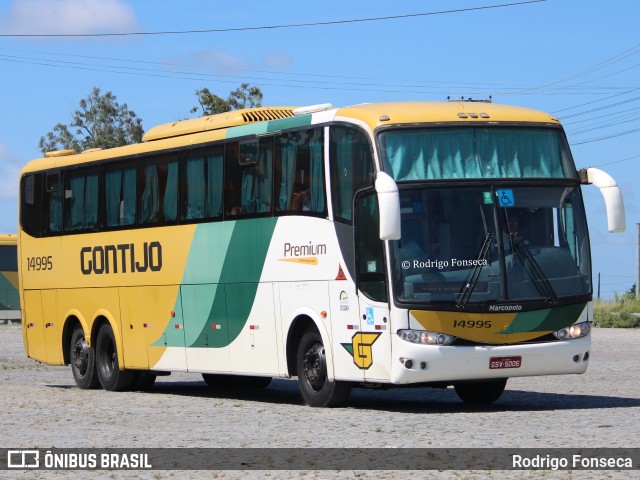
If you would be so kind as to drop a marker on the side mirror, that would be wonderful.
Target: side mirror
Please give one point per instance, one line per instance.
(612, 197)
(389, 205)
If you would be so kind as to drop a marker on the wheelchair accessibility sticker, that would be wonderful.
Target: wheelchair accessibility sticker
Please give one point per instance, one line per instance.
(505, 198)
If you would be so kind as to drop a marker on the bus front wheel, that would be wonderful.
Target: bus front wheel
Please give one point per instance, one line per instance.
(109, 373)
(483, 392)
(83, 361)
(317, 390)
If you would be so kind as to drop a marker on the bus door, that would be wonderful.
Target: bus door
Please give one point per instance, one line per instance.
(373, 347)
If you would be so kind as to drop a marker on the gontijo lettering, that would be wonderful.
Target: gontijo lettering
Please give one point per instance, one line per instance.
(123, 258)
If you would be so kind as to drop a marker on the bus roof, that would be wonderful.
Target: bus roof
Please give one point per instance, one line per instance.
(271, 119)
(379, 114)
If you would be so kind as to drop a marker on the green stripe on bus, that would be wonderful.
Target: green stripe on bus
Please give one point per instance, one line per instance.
(546, 320)
(221, 279)
(271, 126)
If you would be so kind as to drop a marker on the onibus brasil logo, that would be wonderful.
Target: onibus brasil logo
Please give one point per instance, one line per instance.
(360, 348)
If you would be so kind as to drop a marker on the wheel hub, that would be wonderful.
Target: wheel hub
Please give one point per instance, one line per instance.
(315, 366)
(81, 356)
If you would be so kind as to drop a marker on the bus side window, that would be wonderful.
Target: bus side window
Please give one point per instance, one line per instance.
(232, 181)
(352, 166)
(53, 200)
(120, 195)
(158, 184)
(30, 207)
(202, 185)
(80, 201)
(299, 178)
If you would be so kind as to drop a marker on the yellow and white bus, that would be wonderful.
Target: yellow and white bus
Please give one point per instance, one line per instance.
(387, 244)
(9, 297)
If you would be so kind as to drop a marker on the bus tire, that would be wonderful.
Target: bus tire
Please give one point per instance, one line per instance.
(83, 361)
(215, 380)
(316, 389)
(109, 373)
(479, 393)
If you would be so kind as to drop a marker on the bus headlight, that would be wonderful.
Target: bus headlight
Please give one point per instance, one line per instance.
(425, 337)
(576, 330)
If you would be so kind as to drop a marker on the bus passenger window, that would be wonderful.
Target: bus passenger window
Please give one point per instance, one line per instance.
(120, 195)
(299, 178)
(249, 177)
(203, 185)
(81, 201)
(53, 215)
(158, 182)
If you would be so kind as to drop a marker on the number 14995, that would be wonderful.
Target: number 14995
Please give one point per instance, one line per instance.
(39, 263)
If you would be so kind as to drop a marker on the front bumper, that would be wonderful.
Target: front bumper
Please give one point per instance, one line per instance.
(430, 363)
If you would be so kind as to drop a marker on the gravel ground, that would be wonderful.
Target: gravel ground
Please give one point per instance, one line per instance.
(42, 408)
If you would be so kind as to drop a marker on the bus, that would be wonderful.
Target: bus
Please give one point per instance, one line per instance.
(9, 297)
(430, 244)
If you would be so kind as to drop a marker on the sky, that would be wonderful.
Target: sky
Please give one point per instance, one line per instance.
(576, 59)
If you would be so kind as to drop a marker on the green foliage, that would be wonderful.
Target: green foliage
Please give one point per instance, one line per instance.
(623, 313)
(244, 96)
(99, 122)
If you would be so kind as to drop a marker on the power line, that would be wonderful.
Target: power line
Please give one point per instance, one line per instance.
(603, 107)
(621, 56)
(268, 27)
(607, 137)
(617, 161)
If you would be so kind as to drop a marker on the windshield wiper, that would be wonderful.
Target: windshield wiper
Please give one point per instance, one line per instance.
(533, 269)
(471, 282)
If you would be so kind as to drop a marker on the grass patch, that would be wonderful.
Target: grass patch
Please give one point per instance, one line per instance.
(623, 313)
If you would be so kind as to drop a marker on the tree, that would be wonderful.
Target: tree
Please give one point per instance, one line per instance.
(100, 122)
(244, 96)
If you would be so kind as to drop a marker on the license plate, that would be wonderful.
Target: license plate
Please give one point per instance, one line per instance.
(505, 362)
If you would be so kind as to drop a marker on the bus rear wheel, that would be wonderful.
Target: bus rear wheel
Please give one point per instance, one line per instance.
(109, 373)
(316, 388)
(83, 361)
(483, 392)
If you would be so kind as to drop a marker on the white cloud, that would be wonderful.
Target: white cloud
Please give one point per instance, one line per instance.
(68, 17)
(220, 62)
(278, 61)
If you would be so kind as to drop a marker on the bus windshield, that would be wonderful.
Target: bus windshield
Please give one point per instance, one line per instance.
(475, 152)
(474, 247)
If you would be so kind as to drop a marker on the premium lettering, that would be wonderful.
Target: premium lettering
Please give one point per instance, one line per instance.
(123, 258)
(304, 250)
